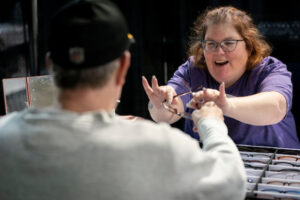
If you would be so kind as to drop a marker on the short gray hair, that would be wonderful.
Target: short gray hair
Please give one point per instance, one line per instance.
(95, 77)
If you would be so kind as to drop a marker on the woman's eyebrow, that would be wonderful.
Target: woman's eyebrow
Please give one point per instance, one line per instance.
(227, 38)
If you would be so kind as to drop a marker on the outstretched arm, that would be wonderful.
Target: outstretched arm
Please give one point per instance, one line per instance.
(217, 172)
(260, 109)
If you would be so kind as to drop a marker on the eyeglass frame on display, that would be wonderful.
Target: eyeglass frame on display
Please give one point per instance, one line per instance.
(285, 175)
(289, 164)
(255, 161)
(247, 165)
(281, 191)
(283, 183)
(288, 156)
(252, 155)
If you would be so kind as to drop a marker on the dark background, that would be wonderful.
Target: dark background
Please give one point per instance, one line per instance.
(161, 30)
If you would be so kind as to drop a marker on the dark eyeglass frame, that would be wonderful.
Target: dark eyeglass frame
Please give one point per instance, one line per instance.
(286, 175)
(250, 155)
(281, 191)
(250, 149)
(247, 165)
(221, 44)
(288, 170)
(254, 161)
(286, 163)
(173, 110)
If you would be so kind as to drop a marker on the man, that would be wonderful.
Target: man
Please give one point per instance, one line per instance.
(82, 151)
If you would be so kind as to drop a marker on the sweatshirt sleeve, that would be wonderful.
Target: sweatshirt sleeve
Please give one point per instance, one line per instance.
(214, 172)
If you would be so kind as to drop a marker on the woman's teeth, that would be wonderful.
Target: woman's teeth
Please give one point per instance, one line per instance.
(221, 62)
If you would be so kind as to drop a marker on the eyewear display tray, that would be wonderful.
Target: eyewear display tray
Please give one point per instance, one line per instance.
(272, 173)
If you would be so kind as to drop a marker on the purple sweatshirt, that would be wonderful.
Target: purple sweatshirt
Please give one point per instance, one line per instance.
(270, 75)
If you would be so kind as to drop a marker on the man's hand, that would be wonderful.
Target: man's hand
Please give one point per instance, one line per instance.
(208, 109)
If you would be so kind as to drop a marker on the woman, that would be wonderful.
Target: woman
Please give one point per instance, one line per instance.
(228, 55)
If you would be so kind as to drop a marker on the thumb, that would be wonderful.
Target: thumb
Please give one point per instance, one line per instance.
(222, 90)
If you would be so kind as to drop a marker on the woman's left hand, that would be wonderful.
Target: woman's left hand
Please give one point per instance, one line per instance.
(201, 97)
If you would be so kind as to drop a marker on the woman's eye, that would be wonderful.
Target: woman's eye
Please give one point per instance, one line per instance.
(228, 43)
(211, 44)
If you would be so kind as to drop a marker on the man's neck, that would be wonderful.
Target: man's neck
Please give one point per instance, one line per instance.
(86, 99)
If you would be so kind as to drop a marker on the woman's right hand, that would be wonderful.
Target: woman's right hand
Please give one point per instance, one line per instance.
(157, 94)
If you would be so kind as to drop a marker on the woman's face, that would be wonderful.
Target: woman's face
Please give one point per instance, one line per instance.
(225, 67)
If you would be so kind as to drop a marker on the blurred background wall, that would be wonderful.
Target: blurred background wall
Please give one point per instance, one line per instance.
(161, 30)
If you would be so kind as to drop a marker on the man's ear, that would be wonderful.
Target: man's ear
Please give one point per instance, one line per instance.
(48, 62)
(122, 70)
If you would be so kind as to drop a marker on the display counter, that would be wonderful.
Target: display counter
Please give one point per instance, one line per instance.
(272, 173)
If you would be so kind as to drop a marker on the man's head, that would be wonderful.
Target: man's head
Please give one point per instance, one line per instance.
(87, 43)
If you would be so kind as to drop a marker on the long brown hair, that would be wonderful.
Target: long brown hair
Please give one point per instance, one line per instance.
(256, 45)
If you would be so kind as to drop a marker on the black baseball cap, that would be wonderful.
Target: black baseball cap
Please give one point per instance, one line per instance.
(88, 33)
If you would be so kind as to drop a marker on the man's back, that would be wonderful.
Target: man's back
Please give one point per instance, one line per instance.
(63, 155)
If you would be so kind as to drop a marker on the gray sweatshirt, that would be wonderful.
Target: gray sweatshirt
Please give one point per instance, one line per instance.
(54, 154)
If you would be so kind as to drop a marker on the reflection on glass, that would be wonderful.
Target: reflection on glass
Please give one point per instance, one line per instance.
(15, 94)
(42, 92)
(36, 91)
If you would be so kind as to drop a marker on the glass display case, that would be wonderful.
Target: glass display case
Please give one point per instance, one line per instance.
(272, 173)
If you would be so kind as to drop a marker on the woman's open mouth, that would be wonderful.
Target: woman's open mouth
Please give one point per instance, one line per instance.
(221, 63)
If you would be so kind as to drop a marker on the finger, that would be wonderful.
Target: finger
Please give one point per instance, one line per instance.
(209, 104)
(210, 94)
(194, 104)
(146, 86)
(154, 84)
(222, 90)
(191, 104)
(199, 105)
(205, 94)
(198, 96)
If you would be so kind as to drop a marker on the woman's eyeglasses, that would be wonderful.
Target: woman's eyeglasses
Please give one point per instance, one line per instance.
(226, 45)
